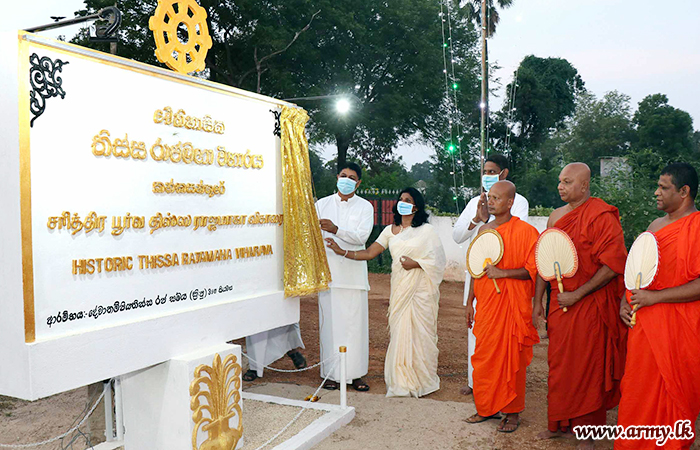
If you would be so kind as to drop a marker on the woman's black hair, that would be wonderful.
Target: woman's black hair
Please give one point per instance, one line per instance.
(421, 216)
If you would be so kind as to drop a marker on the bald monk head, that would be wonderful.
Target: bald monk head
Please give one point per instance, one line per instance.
(501, 198)
(575, 183)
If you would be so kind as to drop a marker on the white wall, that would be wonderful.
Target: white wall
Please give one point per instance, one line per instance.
(457, 253)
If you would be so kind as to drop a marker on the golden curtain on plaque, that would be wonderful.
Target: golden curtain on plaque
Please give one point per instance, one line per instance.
(306, 268)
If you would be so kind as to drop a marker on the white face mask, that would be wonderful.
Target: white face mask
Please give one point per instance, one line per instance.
(346, 186)
(404, 208)
(487, 181)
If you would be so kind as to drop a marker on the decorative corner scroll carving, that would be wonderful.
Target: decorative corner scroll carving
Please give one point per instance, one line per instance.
(45, 83)
(278, 126)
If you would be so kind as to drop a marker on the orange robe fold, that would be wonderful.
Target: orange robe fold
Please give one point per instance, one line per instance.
(587, 343)
(662, 377)
(504, 331)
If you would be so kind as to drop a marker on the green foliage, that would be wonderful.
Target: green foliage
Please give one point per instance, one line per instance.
(392, 175)
(544, 101)
(598, 128)
(382, 263)
(664, 129)
(493, 18)
(632, 192)
(545, 97)
(323, 175)
(422, 171)
(540, 211)
(388, 55)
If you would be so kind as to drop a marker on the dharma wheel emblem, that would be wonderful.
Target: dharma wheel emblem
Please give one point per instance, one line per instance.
(183, 54)
(222, 402)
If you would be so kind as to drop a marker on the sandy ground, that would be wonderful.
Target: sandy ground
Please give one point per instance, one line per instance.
(432, 422)
(261, 421)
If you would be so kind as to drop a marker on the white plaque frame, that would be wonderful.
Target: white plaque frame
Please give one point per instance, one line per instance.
(34, 368)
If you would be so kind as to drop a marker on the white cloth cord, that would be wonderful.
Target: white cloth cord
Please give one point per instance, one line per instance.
(48, 441)
(289, 370)
(304, 408)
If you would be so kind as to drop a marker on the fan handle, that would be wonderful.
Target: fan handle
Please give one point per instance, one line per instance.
(557, 272)
(637, 285)
(488, 261)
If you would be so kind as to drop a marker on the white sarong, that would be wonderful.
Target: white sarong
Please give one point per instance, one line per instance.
(344, 321)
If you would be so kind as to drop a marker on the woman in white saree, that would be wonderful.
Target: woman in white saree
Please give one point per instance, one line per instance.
(418, 265)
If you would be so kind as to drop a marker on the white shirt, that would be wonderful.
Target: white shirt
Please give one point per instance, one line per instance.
(354, 219)
(461, 232)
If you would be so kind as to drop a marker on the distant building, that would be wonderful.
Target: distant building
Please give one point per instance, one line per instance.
(613, 163)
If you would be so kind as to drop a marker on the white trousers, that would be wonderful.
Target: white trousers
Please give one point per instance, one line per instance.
(269, 346)
(471, 341)
(344, 321)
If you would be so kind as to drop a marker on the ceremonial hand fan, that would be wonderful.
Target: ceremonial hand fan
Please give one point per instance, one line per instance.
(556, 257)
(642, 264)
(486, 248)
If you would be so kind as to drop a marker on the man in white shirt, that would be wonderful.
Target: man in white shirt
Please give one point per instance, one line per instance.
(467, 227)
(343, 309)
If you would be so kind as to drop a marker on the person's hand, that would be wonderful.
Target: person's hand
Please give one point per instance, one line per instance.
(482, 210)
(494, 272)
(538, 314)
(626, 313)
(567, 299)
(408, 263)
(641, 298)
(330, 243)
(470, 314)
(328, 225)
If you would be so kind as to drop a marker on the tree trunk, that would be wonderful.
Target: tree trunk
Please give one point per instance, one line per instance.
(343, 143)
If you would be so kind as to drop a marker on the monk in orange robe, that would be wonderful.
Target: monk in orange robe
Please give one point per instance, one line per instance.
(586, 343)
(504, 332)
(661, 385)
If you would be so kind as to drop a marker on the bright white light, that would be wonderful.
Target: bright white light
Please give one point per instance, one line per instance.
(343, 106)
(482, 105)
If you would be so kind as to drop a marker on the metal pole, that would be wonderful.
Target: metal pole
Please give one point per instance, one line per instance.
(484, 105)
(109, 410)
(343, 376)
(63, 23)
(119, 407)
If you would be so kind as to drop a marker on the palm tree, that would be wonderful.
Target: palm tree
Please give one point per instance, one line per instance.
(473, 8)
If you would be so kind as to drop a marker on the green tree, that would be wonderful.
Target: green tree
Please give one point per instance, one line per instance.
(422, 171)
(631, 190)
(545, 97)
(388, 55)
(542, 103)
(323, 175)
(492, 17)
(392, 175)
(598, 128)
(665, 130)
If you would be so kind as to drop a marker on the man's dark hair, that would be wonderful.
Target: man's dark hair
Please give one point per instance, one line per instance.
(421, 216)
(499, 160)
(352, 166)
(683, 174)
